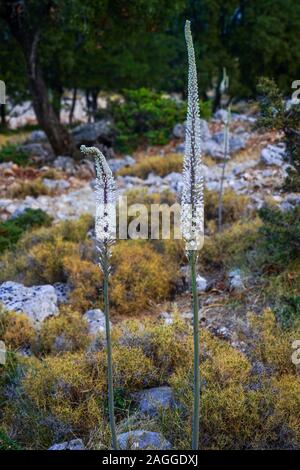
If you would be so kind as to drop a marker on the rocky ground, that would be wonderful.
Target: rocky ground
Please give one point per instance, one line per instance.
(256, 168)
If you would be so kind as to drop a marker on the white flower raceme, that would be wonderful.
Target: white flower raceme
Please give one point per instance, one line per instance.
(192, 203)
(105, 188)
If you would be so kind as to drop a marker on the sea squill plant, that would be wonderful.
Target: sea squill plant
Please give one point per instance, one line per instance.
(105, 229)
(192, 210)
(223, 88)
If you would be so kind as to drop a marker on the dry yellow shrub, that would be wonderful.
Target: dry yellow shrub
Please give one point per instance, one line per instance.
(16, 330)
(66, 332)
(272, 345)
(234, 206)
(159, 165)
(140, 277)
(85, 278)
(229, 247)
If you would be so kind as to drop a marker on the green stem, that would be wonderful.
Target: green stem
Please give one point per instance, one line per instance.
(196, 416)
(109, 364)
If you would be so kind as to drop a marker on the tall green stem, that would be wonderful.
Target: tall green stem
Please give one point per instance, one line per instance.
(109, 362)
(196, 415)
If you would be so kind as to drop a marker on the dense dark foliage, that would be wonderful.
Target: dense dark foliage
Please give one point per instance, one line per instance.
(12, 229)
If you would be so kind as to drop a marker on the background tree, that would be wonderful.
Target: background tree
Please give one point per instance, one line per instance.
(275, 114)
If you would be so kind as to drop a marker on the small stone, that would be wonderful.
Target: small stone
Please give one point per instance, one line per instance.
(174, 180)
(37, 136)
(179, 131)
(154, 400)
(236, 281)
(166, 317)
(201, 283)
(74, 444)
(64, 163)
(96, 321)
(273, 155)
(141, 439)
(62, 291)
(56, 184)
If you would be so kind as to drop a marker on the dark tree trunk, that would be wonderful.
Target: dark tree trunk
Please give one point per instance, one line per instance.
(74, 98)
(88, 105)
(56, 99)
(19, 23)
(3, 124)
(94, 94)
(217, 99)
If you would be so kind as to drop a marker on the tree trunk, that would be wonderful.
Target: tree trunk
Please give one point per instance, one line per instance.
(57, 94)
(3, 124)
(74, 98)
(94, 94)
(88, 105)
(58, 136)
(217, 99)
(27, 38)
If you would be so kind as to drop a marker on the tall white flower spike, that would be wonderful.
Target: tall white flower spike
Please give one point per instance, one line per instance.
(105, 189)
(105, 227)
(192, 202)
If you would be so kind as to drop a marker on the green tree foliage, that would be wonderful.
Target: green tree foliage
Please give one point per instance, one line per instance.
(275, 115)
(12, 229)
(145, 116)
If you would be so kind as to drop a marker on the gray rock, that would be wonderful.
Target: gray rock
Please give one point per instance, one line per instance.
(116, 164)
(273, 155)
(4, 203)
(96, 321)
(37, 302)
(221, 115)
(286, 206)
(154, 400)
(180, 148)
(100, 131)
(205, 131)
(62, 291)
(179, 131)
(37, 137)
(38, 150)
(174, 180)
(166, 317)
(235, 280)
(62, 344)
(141, 439)
(56, 184)
(74, 444)
(6, 166)
(64, 163)
(242, 167)
(236, 141)
(201, 283)
(213, 149)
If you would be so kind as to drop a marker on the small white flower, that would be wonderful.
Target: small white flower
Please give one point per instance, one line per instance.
(192, 202)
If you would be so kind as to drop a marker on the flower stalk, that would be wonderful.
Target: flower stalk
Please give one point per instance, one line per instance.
(223, 88)
(192, 211)
(105, 229)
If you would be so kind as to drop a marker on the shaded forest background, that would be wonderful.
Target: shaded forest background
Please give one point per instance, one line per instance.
(48, 47)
